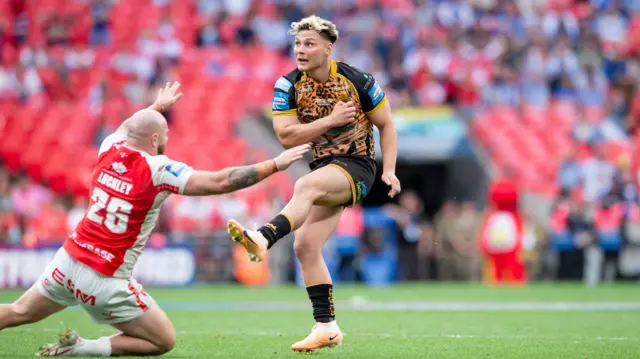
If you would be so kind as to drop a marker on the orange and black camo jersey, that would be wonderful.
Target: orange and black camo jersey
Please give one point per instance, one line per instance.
(298, 94)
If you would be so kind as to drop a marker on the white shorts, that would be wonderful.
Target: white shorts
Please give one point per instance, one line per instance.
(108, 300)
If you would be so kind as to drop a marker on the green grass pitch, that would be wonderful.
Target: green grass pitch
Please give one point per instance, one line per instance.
(405, 321)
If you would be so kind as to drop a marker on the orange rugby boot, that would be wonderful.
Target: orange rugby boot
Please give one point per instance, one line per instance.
(253, 241)
(322, 336)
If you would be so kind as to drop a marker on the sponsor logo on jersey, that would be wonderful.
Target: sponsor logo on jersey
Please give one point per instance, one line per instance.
(283, 84)
(376, 94)
(322, 102)
(361, 190)
(108, 256)
(119, 168)
(340, 88)
(174, 168)
(280, 101)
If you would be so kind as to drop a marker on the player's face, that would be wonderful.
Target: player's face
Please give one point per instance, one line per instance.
(311, 50)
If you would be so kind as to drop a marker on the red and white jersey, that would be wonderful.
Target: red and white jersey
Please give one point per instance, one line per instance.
(127, 189)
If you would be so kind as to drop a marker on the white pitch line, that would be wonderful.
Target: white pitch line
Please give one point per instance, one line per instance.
(374, 335)
(412, 306)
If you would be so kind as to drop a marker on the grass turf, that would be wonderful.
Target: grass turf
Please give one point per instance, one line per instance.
(379, 333)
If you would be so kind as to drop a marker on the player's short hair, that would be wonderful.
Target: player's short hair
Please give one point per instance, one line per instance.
(325, 28)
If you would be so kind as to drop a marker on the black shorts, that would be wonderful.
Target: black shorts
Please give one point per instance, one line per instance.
(360, 171)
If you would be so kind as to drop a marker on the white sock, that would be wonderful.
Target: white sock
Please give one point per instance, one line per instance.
(98, 347)
(331, 326)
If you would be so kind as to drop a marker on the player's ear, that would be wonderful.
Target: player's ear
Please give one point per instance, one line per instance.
(329, 48)
(155, 138)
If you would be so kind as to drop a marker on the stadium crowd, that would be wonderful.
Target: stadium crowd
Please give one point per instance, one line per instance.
(475, 55)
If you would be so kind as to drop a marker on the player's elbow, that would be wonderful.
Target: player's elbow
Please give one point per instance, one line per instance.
(287, 144)
(286, 140)
(221, 187)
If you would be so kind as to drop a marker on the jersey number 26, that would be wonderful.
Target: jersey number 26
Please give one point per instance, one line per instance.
(118, 211)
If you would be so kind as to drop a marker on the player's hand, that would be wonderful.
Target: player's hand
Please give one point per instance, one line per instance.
(168, 96)
(343, 114)
(286, 158)
(390, 179)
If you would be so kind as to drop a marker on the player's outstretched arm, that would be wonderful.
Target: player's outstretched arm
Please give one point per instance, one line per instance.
(383, 120)
(167, 97)
(202, 183)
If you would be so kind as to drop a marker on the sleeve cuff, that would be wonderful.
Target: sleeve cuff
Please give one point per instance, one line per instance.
(285, 113)
(378, 106)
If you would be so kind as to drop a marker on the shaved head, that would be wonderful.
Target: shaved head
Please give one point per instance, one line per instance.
(147, 130)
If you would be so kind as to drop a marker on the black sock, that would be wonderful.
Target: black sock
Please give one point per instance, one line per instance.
(321, 296)
(273, 231)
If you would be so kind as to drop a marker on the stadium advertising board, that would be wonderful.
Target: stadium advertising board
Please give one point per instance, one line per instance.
(429, 133)
(156, 267)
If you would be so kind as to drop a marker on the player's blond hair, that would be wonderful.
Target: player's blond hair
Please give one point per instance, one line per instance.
(325, 28)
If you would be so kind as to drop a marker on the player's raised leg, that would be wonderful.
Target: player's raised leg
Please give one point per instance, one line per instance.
(309, 240)
(31, 307)
(326, 186)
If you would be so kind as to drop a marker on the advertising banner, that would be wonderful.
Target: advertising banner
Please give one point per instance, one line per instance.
(173, 265)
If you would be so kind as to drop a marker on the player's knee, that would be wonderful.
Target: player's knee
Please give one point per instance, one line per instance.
(305, 249)
(308, 186)
(168, 340)
(167, 344)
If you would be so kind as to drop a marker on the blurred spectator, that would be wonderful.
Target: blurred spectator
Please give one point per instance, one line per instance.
(272, 30)
(535, 240)
(28, 197)
(569, 173)
(585, 132)
(407, 215)
(602, 257)
(79, 57)
(100, 32)
(625, 187)
(209, 34)
(34, 55)
(457, 228)
(506, 89)
(535, 90)
(467, 257)
(579, 223)
(558, 21)
(20, 83)
(592, 87)
(612, 26)
(455, 14)
(347, 235)
(562, 60)
(8, 220)
(428, 253)
(597, 174)
(168, 45)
